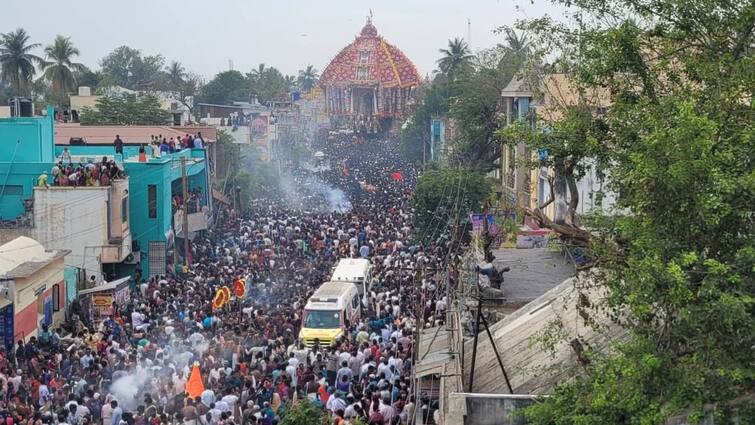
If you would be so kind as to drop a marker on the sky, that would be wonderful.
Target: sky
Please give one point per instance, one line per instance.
(208, 36)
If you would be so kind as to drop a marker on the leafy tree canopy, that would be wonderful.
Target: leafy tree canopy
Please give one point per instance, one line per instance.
(126, 67)
(678, 263)
(226, 87)
(415, 134)
(127, 109)
(268, 83)
(442, 194)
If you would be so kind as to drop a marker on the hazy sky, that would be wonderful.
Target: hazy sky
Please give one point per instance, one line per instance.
(288, 34)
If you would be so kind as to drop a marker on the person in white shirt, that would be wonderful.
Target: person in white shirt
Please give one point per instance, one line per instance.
(291, 371)
(137, 321)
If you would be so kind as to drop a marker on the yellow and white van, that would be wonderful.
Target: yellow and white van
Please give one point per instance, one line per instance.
(328, 312)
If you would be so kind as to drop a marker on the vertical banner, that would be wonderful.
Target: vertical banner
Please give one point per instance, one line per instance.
(48, 310)
(6, 326)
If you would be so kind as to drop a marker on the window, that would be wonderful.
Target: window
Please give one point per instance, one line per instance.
(355, 302)
(12, 190)
(322, 319)
(56, 297)
(152, 200)
(156, 258)
(364, 57)
(124, 209)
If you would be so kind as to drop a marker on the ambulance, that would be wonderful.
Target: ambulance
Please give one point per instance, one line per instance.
(329, 312)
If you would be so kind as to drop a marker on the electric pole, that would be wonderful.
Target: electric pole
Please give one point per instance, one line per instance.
(185, 184)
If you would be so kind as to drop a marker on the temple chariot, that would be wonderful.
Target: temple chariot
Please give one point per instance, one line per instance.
(368, 84)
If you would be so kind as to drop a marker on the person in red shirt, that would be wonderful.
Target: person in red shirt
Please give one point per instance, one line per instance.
(324, 396)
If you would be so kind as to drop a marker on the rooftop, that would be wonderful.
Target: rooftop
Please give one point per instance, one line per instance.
(533, 272)
(105, 134)
(24, 256)
(531, 368)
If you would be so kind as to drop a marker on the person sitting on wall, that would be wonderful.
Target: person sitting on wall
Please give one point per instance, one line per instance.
(42, 179)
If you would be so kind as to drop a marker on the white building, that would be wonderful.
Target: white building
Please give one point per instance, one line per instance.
(91, 221)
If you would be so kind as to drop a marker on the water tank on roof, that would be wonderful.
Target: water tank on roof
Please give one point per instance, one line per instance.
(20, 107)
(85, 91)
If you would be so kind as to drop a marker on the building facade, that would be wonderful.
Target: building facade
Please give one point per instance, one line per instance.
(525, 187)
(32, 289)
(128, 226)
(92, 221)
(26, 150)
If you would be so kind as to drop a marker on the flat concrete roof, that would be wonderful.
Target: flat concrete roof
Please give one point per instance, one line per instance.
(533, 272)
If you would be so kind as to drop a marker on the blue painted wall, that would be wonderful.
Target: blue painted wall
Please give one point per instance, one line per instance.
(165, 174)
(26, 150)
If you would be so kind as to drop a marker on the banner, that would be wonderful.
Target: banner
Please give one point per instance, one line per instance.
(478, 224)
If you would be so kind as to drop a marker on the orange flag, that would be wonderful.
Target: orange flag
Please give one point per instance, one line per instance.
(194, 386)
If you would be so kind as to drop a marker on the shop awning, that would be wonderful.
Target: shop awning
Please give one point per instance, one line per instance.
(108, 286)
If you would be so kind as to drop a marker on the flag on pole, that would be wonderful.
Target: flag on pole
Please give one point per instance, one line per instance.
(194, 386)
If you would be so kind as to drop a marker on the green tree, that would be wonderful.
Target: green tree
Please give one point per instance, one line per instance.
(127, 109)
(176, 74)
(444, 194)
(677, 263)
(60, 69)
(414, 137)
(304, 413)
(457, 57)
(6, 92)
(478, 111)
(88, 78)
(268, 83)
(226, 87)
(568, 146)
(183, 86)
(17, 63)
(126, 67)
(308, 78)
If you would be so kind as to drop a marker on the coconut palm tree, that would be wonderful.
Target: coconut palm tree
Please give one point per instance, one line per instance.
(456, 57)
(289, 81)
(176, 74)
(308, 78)
(16, 60)
(59, 68)
(517, 44)
(256, 74)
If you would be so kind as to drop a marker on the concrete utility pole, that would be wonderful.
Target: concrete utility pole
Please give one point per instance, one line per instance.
(185, 184)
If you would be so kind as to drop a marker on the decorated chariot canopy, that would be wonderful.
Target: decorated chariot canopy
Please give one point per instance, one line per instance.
(369, 77)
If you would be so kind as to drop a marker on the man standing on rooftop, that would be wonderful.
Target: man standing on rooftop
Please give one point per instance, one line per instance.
(118, 143)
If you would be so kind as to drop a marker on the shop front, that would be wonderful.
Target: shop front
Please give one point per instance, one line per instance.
(96, 302)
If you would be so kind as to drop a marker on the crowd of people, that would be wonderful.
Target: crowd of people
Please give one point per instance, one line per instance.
(90, 173)
(133, 367)
(160, 145)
